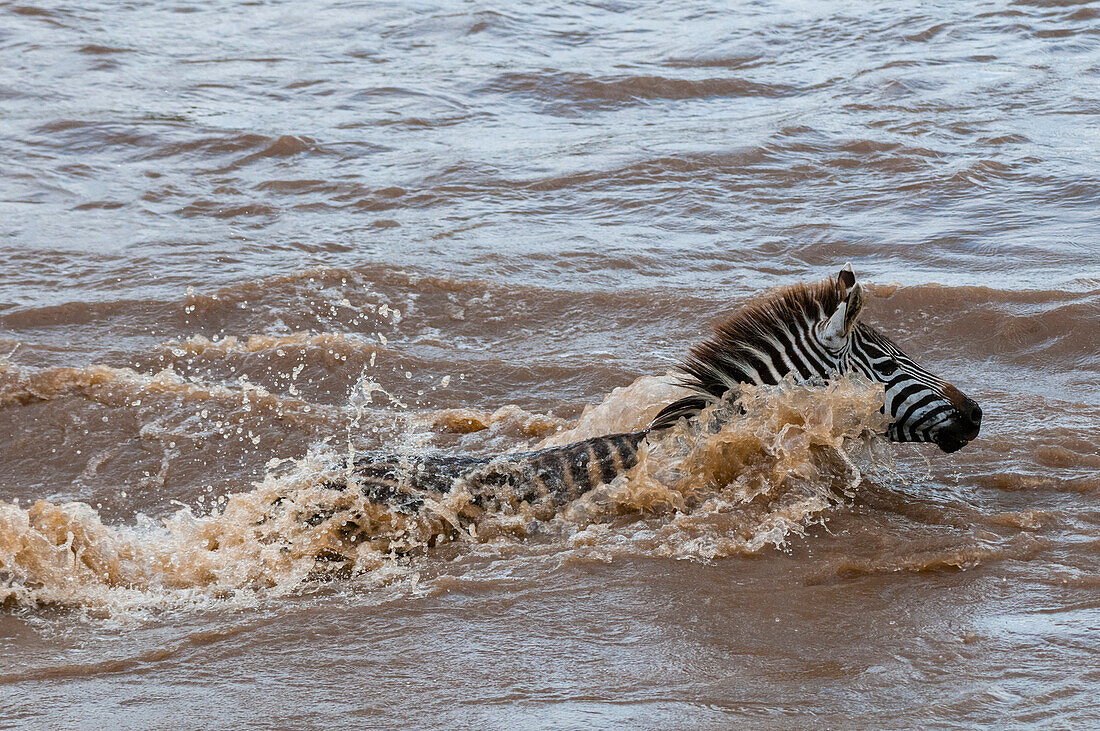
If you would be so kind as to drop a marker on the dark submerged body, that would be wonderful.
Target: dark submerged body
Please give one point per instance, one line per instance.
(561, 474)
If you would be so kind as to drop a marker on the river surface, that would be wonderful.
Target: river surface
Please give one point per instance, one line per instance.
(238, 239)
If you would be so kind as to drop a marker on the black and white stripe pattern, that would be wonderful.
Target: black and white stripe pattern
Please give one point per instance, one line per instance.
(925, 407)
(809, 332)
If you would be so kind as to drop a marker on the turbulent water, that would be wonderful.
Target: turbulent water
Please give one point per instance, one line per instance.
(241, 241)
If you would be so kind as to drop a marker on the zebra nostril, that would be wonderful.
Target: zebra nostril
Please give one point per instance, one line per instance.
(976, 414)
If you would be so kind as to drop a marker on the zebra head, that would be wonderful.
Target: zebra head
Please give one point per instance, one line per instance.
(812, 331)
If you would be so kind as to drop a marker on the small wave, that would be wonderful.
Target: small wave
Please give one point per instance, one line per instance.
(23, 385)
(201, 345)
(94, 49)
(584, 92)
(510, 417)
(921, 559)
(1031, 327)
(702, 61)
(212, 145)
(77, 135)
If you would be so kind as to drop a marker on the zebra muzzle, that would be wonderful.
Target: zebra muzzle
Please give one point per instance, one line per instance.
(959, 430)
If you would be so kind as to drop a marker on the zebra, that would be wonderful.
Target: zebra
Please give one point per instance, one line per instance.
(808, 332)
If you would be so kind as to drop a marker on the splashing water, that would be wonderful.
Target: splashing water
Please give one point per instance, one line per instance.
(737, 482)
(730, 483)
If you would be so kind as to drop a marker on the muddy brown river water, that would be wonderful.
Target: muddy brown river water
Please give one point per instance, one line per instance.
(239, 239)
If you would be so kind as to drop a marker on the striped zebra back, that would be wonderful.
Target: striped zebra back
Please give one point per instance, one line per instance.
(561, 474)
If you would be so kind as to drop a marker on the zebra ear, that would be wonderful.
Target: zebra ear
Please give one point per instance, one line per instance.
(839, 326)
(846, 279)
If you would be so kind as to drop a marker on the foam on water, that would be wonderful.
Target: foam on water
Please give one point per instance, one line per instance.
(733, 483)
(736, 482)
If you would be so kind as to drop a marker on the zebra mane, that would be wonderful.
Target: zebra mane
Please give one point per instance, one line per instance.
(725, 360)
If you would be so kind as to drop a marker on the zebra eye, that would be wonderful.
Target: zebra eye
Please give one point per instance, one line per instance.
(887, 367)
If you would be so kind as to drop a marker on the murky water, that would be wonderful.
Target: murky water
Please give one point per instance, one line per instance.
(240, 240)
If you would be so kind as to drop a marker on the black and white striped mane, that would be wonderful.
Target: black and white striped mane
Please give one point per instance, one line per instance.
(745, 346)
